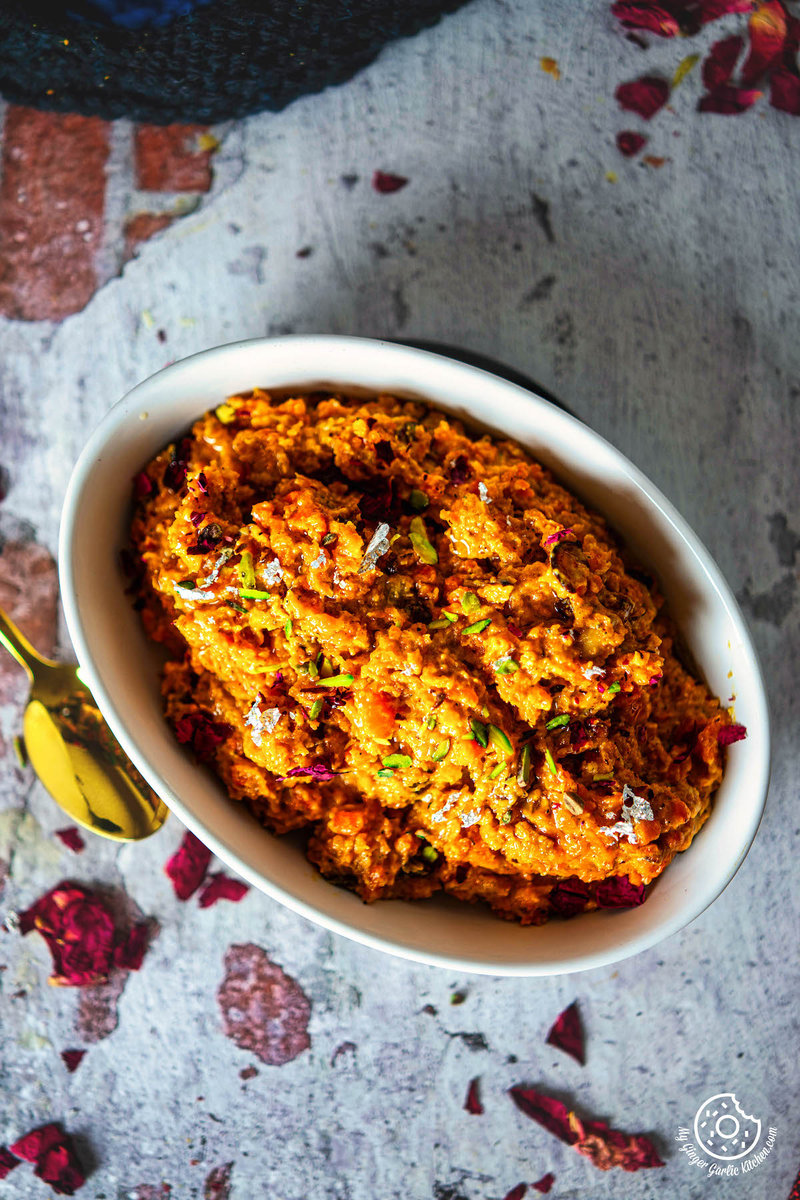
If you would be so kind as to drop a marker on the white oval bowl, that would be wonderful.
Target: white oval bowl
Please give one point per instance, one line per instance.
(122, 667)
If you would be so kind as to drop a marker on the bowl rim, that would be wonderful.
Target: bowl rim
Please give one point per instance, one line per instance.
(758, 748)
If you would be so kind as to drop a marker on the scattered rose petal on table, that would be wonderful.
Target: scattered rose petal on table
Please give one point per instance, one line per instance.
(566, 1033)
(8, 1162)
(629, 142)
(51, 1151)
(517, 1192)
(605, 1147)
(472, 1104)
(644, 96)
(71, 838)
(263, 1009)
(341, 1049)
(544, 1184)
(222, 887)
(784, 91)
(385, 182)
(188, 865)
(728, 101)
(767, 28)
(649, 17)
(218, 1183)
(720, 61)
(72, 1059)
(79, 931)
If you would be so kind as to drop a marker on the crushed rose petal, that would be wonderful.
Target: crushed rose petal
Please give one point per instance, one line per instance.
(647, 16)
(605, 1147)
(719, 62)
(619, 892)
(544, 1184)
(222, 887)
(728, 734)
(142, 486)
(8, 1162)
(72, 1059)
(728, 101)
(566, 1033)
(558, 536)
(318, 770)
(768, 29)
(517, 1192)
(385, 182)
(71, 838)
(188, 865)
(784, 91)
(629, 142)
(130, 954)
(53, 1155)
(472, 1104)
(644, 96)
(79, 932)
(200, 731)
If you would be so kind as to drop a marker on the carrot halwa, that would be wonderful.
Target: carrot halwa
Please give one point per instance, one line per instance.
(414, 644)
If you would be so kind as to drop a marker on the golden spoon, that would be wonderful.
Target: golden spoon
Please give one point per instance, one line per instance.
(75, 754)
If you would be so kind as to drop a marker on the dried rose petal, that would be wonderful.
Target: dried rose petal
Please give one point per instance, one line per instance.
(548, 1112)
(557, 537)
(218, 1183)
(646, 16)
(188, 865)
(318, 770)
(130, 953)
(222, 887)
(767, 28)
(385, 183)
(566, 1033)
(569, 897)
(719, 62)
(380, 500)
(472, 1104)
(71, 838)
(142, 486)
(728, 101)
(619, 892)
(544, 1184)
(52, 1152)
(72, 1059)
(202, 732)
(728, 734)
(784, 91)
(175, 473)
(79, 932)
(202, 483)
(8, 1162)
(517, 1192)
(605, 1147)
(207, 538)
(644, 96)
(629, 142)
(263, 1009)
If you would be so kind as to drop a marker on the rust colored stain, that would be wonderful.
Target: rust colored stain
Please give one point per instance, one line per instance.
(263, 1009)
(97, 1014)
(29, 594)
(141, 228)
(218, 1183)
(3, 874)
(52, 197)
(150, 1191)
(172, 158)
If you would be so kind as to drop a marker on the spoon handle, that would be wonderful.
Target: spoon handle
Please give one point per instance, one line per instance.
(18, 646)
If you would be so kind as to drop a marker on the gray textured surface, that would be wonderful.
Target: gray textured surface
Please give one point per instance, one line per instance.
(663, 309)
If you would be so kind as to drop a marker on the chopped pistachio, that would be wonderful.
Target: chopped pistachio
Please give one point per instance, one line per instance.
(246, 572)
(316, 708)
(325, 667)
(614, 688)
(329, 539)
(254, 594)
(506, 666)
(479, 732)
(313, 670)
(451, 617)
(385, 773)
(225, 413)
(479, 626)
(419, 540)
(430, 721)
(524, 772)
(439, 623)
(506, 818)
(239, 607)
(499, 740)
(429, 853)
(287, 629)
(418, 500)
(551, 766)
(441, 751)
(557, 722)
(420, 833)
(572, 804)
(469, 603)
(337, 681)
(189, 584)
(399, 761)
(498, 770)
(602, 778)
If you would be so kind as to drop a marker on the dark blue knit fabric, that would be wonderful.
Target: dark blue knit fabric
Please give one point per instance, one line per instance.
(193, 61)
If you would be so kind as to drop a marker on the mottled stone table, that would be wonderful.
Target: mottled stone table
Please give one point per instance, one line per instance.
(660, 302)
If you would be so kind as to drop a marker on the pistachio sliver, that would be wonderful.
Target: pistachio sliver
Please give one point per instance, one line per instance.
(418, 534)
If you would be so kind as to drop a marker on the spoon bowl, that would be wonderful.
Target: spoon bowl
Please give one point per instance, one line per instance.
(75, 754)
